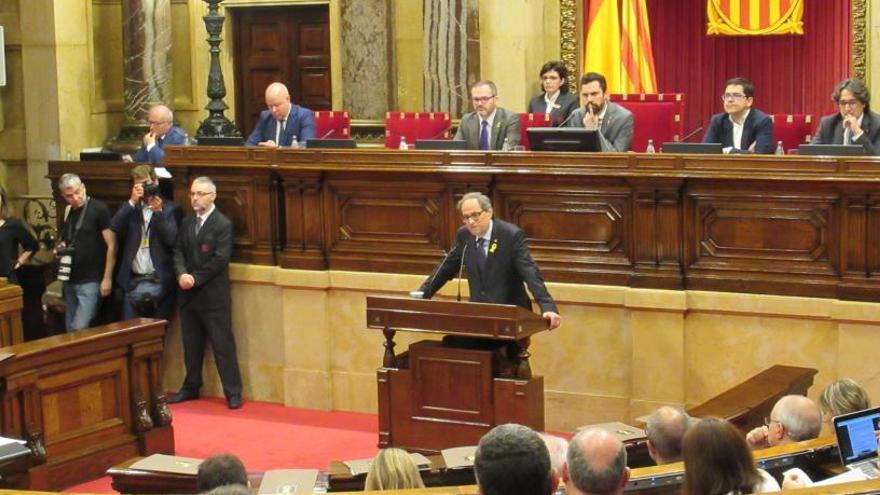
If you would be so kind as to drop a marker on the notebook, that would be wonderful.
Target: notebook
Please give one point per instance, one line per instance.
(857, 440)
(288, 481)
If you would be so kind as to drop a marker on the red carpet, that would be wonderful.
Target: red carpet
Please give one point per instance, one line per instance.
(265, 436)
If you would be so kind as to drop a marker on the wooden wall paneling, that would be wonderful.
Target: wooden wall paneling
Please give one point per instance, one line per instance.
(301, 207)
(152, 417)
(11, 303)
(656, 232)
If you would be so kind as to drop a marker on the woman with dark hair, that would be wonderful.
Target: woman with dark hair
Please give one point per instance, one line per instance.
(555, 101)
(718, 461)
(12, 235)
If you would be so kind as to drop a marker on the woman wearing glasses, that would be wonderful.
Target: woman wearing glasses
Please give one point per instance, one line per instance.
(555, 101)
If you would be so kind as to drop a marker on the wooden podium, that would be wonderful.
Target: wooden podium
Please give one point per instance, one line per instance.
(445, 394)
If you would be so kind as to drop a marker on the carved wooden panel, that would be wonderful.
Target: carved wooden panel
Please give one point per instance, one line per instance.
(302, 234)
(451, 384)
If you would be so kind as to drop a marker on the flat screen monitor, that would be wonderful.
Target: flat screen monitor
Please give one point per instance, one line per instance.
(831, 150)
(100, 156)
(695, 148)
(563, 139)
(441, 144)
(331, 143)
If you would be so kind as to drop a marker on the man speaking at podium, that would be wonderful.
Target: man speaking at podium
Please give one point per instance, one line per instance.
(497, 260)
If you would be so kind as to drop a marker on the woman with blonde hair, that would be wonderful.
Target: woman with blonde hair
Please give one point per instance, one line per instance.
(841, 397)
(393, 469)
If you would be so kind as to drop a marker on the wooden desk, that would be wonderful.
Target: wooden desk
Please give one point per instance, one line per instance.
(87, 400)
(11, 303)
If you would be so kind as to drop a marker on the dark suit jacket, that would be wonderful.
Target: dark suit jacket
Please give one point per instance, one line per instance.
(206, 258)
(128, 223)
(175, 135)
(616, 130)
(831, 132)
(505, 125)
(300, 123)
(508, 265)
(758, 129)
(565, 104)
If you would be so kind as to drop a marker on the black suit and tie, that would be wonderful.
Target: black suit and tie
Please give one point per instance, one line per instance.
(204, 252)
(495, 274)
(831, 131)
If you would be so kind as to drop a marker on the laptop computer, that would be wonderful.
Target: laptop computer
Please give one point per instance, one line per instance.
(857, 440)
(331, 143)
(831, 150)
(694, 148)
(441, 144)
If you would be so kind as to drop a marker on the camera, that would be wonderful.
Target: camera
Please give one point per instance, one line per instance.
(63, 250)
(151, 188)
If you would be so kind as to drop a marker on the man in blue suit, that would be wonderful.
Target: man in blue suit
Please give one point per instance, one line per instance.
(741, 128)
(162, 132)
(146, 226)
(282, 121)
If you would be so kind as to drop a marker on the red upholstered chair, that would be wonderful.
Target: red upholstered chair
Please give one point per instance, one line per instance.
(332, 124)
(792, 129)
(527, 120)
(658, 116)
(415, 125)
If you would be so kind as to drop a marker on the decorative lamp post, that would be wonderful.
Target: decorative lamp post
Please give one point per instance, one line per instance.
(216, 126)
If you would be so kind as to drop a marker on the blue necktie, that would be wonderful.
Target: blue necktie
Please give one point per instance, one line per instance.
(484, 135)
(481, 254)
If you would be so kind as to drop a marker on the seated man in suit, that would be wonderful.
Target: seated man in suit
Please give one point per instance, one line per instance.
(855, 123)
(489, 126)
(497, 259)
(512, 458)
(741, 128)
(283, 121)
(596, 464)
(614, 123)
(794, 418)
(665, 429)
(162, 131)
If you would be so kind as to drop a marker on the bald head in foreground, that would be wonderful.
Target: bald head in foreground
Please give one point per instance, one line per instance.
(794, 418)
(282, 121)
(596, 464)
(512, 458)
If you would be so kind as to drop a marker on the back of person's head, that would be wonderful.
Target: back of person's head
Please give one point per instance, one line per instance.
(393, 469)
(665, 429)
(235, 489)
(219, 470)
(512, 458)
(596, 462)
(843, 396)
(717, 460)
(799, 416)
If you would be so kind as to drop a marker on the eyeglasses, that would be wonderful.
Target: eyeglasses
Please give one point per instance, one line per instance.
(732, 96)
(473, 217)
(482, 99)
(768, 421)
(157, 122)
(199, 194)
(848, 103)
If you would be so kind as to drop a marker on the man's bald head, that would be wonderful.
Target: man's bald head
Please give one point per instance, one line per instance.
(596, 463)
(666, 427)
(278, 100)
(799, 417)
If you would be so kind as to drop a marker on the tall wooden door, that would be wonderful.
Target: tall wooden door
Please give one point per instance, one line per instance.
(290, 45)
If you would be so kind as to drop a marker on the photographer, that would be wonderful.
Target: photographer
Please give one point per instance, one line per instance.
(147, 227)
(86, 252)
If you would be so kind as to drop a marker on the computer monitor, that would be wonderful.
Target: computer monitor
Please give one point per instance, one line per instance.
(100, 156)
(331, 143)
(694, 148)
(441, 144)
(831, 150)
(563, 139)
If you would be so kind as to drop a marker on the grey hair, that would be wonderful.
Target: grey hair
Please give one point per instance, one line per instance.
(206, 180)
(593, 479)
(666, 427)
(68, 181)
(844, 396)
(800, 416)
(483, 200)
(856, 87)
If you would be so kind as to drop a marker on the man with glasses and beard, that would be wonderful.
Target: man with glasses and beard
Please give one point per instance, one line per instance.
(497, 260)
(741, 128)
(855, 124)
(614, 123)
(488, 126)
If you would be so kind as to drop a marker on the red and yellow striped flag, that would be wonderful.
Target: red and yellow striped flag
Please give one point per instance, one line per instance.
(754, 17)
(618, 47)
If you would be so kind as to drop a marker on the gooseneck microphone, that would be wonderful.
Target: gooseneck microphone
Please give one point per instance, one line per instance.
(460, 269)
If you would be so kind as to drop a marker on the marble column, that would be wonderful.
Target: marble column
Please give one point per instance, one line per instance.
(146, 38)
(452, 54)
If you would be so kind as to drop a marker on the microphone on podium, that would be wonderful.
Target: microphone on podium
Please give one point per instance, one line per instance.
(460, 269)
(690, 134)
(328, 134)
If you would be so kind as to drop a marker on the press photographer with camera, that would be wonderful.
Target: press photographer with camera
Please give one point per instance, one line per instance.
(146, 226)
(86, 253)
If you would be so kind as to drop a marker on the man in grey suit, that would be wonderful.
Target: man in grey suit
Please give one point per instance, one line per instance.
(488, 126)
(855, 123)
(614, 123)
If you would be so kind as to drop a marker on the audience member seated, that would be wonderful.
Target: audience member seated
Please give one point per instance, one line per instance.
(282, 121)
(596, 464)
(512, 458)
(794, 418)
(162, 131)
(842, 397)
(555, 101)
(230, 490)
(855, 123)
(393, 469)
(741, 128)
(488, 126)
(614, 123)
(665, 429)
(717, 461)
(558, 449)
(221, 470)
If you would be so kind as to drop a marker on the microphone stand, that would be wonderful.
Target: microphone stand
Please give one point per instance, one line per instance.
(460, 269)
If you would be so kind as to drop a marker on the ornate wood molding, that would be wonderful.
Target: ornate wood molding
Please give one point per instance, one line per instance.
(859, 38)
(568, 39)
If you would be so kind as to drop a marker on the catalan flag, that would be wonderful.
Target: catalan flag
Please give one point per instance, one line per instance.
(619, 47)
(754, 17)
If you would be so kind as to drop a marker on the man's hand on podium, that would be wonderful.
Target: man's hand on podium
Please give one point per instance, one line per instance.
(555, 319)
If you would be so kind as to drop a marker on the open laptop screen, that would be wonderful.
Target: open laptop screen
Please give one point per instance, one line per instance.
(855, 435)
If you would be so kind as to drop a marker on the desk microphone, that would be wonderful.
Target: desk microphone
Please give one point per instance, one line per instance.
(418, 294)
(690, 134)
(328, 134)
(460, 269)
